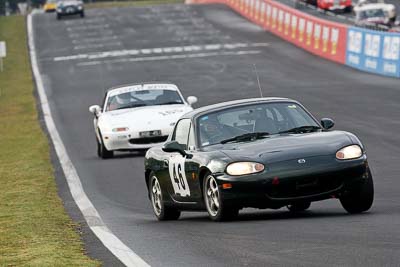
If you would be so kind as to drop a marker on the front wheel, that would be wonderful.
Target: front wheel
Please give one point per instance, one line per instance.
(82, 14)
(299, 207)
(162, 212)
(359, 198)
(102, 151)
(217, 210)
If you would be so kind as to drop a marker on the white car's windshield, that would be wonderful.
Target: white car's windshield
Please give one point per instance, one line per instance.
(142, 98)
(253, 121)
(372, 13)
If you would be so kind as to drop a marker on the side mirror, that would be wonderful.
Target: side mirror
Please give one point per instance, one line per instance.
(173, 146)
(191, 100)
(327, 123)
(95, 109)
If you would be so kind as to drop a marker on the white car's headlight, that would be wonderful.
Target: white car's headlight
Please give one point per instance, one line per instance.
(243, 168)
(349, 152)
(120, 129)
(79, 7)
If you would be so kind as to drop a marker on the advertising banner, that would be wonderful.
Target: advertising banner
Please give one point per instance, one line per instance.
(367, 50)
(373, 51)
(324, 38)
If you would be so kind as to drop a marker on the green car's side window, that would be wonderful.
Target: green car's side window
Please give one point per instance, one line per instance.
(192, 139)
(181, 133)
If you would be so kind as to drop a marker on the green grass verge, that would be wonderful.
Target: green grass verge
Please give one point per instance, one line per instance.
(131, 3)
(34, 228)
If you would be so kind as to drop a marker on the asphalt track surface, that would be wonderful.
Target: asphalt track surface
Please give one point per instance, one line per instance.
(362, 103)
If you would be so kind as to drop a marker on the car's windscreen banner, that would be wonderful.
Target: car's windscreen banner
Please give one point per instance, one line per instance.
(373, 51)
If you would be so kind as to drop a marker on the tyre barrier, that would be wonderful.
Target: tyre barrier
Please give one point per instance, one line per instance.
(363, 49)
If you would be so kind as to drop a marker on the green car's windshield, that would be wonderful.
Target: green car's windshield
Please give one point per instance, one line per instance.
(264, 119)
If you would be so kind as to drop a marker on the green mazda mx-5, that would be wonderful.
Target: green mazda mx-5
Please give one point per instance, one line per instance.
(261, 153)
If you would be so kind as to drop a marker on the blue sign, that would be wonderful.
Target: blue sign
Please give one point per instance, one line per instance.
(373, 51)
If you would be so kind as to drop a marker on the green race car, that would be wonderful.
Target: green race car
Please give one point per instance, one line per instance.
(261, 153)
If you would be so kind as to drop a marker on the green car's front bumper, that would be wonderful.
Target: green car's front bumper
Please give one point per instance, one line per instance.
(276, 186)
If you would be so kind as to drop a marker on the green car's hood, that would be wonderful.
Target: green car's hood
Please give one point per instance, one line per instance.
(287, 147)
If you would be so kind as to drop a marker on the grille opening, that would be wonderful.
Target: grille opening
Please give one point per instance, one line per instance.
(304, 187)
(148, 140)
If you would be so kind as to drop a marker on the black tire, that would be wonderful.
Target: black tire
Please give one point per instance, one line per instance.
(58, 16)
(82, 14)
(299, 207)
(312, 2)
(360, 198)
(348, 9)
(223, 212)
(102, 151)
(162, 212)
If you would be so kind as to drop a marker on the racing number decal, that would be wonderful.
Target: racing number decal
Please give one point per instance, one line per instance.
(178, 176)
(179, 181)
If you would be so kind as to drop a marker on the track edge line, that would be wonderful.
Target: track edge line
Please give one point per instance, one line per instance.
(103, 233)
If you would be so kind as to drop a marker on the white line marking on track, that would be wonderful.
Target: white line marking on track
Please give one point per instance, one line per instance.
(95, 39)
(85, 21)
(88, 27)
(90, 34)
(169, 57)
(89, 46)
(119, 249)
(176, 49)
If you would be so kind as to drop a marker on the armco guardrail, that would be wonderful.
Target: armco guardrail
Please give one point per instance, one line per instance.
(355, 47)
(373, 51)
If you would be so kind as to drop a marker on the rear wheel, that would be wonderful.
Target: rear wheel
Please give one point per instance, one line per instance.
(359, 198)
(298, 207)
(102, 151)
(217, 210)
(162, 212)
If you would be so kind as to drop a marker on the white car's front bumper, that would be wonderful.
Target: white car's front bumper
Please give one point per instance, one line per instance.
(132, 141)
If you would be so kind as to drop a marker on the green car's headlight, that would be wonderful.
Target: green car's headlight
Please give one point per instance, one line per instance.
(349, 152)
(243, 168)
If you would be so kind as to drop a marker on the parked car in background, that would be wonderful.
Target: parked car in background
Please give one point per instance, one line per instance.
(333, 5)
(371, 15)
(50, 6)
(389, 10)
(70, 7)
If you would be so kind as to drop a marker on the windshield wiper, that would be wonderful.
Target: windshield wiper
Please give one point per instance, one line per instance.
(302, 129)
(132, 106)
(171, 103)
(245, 137)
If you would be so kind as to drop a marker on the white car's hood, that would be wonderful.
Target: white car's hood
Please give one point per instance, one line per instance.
(70, 3)
(144, 118)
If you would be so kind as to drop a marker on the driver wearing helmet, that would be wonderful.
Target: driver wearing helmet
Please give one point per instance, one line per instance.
(119, 101)
(212, 131)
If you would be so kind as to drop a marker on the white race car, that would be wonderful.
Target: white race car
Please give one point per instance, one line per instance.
(137, 116)
(375, 12)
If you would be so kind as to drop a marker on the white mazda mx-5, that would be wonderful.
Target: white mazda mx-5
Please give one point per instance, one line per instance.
(137, 116)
